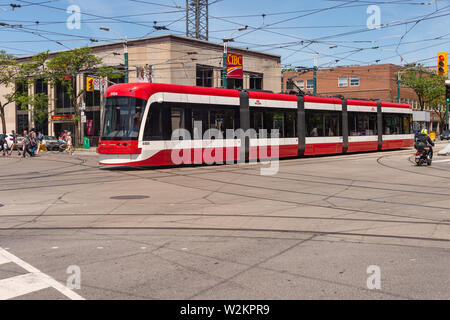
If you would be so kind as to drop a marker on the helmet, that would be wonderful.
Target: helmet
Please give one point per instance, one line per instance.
(424, 131)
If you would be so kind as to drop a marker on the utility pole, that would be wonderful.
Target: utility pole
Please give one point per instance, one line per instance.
(447, 101)
(315, 74)
(197, 19)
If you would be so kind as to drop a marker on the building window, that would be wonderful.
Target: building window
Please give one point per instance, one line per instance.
(342, 82)
(204, 76)
(309, 84)
(354, 81)
(300, 84)
(256, 80)
(22, 123)
(63, 100)
(40, 86)
(234, 83)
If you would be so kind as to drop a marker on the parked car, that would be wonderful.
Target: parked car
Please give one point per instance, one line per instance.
(445, 135)
(51, 142)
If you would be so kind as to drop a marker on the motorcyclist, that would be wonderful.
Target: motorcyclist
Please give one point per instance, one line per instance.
(423, 141)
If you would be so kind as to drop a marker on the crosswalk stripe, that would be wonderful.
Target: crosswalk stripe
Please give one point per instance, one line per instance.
(3, 260)
(21, 285)
(49, 281)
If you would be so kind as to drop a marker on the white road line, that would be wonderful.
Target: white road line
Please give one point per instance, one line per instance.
(42, 276)
(440, 161)
(21, 285)
(3, 260)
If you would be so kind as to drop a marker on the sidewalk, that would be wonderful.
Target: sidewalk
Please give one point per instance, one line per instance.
(82, 151)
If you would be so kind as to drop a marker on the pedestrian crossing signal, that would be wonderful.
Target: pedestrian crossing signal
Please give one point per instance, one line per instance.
(89, 84)
(442, 62)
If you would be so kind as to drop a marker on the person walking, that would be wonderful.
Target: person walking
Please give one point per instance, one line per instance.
(41, 145)
(69, 143)
(4, 145)
(26, 144)
(14, 144)
(33, 141)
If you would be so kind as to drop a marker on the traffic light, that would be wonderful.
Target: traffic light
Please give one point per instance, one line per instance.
(447, 92)
(89, 84)
(442, 62)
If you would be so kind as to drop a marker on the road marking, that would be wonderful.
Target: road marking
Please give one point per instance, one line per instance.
(3, 260)
(439, 161)
(42, 277)
(21, 285)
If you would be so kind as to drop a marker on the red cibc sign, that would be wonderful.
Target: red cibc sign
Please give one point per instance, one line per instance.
(235, 65)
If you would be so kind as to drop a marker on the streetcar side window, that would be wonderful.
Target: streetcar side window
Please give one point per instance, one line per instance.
(271, 120)
(219, 118)
(362, 124)
(395, 123)
(322, 123)
(162, 120)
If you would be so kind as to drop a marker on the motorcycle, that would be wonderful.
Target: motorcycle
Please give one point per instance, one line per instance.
(422, 156)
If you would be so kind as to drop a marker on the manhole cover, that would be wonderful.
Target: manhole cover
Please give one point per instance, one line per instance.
(130, 197)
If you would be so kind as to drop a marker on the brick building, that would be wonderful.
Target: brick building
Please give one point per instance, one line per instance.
(374, 82)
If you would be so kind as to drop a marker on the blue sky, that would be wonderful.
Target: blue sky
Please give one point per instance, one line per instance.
(296, 30)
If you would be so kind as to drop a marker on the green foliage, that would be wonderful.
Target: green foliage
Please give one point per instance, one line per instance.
(429, 87)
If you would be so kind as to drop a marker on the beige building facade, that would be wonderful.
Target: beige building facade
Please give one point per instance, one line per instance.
(168, 59)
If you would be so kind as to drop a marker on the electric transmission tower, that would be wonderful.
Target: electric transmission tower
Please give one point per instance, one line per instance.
(197, 19)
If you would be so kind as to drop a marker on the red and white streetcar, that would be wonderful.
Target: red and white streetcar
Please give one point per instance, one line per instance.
(140, 118)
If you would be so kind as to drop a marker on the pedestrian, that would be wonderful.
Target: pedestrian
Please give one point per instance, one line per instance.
(33, 141)
(26, 144)
(14, 144)
(4, 144)
(69, 143)
(41, 145)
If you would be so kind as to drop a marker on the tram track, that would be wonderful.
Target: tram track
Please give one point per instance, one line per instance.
(312, 232)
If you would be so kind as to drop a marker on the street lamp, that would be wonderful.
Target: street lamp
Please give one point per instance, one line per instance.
(125, 49)
(225, 52)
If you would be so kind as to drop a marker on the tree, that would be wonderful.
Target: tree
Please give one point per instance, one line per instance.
(64, 67)
(428, 86)
(17, 76)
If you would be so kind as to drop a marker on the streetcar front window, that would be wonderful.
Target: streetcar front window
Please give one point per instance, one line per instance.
(122, 118)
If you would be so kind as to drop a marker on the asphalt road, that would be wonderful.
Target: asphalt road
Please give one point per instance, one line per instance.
(312, 231)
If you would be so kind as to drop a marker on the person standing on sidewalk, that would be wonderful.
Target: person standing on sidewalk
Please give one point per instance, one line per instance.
(33, 141)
